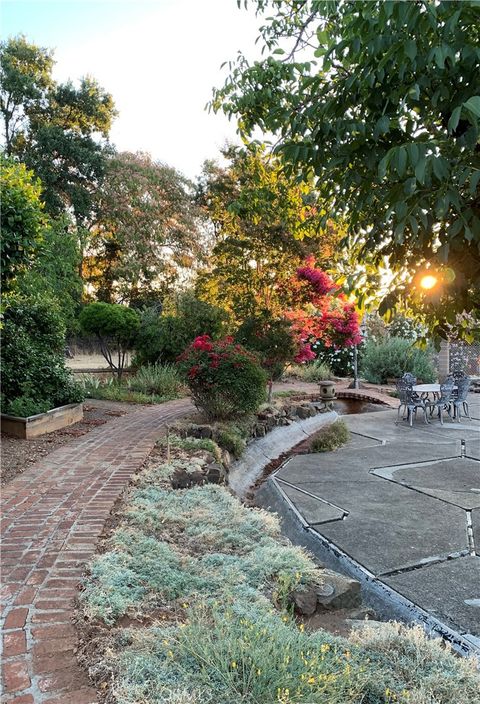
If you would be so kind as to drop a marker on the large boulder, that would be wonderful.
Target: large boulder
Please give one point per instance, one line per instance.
(337, 591)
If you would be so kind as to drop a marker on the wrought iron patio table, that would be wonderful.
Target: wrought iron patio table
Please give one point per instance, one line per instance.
(425, 389)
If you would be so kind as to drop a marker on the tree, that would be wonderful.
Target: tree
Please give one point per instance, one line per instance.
(58, 130)
(115, 327)
(22, 219)
(146, 232)
(264, 224)
(53, 271)
(379, 102)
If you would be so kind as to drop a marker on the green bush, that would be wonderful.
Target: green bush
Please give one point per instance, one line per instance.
(33, 365)
(271, 339)
(25, 406)
(312, 371)
(231, 439)
(162, 338)
(115, 327)
(193, 444)
(331, 437)
(339, 361)
(161, 380)
(225, 380)
(393, 357)
(112, 390)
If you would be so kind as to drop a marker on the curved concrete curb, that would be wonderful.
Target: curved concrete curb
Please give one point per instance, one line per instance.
(244, 473)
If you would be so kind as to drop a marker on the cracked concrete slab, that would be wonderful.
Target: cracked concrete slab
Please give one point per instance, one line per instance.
(476, 529)
(381, 530)
(313, 509)
(455, 481)
(450, 591)
(354, 463)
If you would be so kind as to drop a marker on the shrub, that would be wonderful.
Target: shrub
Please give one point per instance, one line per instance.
(339, 360)
(331, 437)
(161, 380)
(225, 380)
(311, 372)
(162, 338)
(33, 366)
(392, 358)
(231, 439)
(25, 406)
(271, 339)
(112, 390)
(116, 328)
(193, 444)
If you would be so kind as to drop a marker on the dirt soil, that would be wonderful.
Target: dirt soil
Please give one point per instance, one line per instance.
(17, 454)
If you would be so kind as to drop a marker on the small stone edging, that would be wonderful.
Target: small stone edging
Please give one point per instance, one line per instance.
(245, 471)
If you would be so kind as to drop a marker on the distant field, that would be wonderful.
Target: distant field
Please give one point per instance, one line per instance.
(89, 361)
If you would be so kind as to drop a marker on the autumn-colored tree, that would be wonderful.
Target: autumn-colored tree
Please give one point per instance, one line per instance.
(146, 232)
(264, 224)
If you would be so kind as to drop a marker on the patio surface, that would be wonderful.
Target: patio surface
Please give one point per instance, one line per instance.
(404, 505)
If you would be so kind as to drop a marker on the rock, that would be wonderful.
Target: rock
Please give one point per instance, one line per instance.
(226, 459)
(337, 591)
(306, 410)
(260, 430)
(362, 613)
(305, 601)
(202, 431)
(181, 479)
(204, 455)
(214, 473)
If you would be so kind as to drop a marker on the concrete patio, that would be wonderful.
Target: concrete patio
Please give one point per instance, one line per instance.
(402, 505)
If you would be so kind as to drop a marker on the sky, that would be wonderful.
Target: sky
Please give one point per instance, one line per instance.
(158, 58)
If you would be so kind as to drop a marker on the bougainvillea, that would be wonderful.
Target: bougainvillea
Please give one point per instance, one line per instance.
(322, 313)
(225, 379)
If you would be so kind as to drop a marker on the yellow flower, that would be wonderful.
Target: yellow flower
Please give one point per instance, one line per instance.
(259, 672)
(233, 664)
(311, 680)
(324, 648)
(170, 654)
(165, 642)
(301, 627)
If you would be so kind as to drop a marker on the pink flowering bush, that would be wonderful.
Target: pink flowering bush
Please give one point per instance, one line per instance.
(225, 380)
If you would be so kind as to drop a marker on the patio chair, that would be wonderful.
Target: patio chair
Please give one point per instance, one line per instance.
(409, 378)
(442, 403)
(410, 401)
(459, 397)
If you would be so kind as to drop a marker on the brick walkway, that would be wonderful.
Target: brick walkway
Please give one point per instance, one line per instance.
(52, 515)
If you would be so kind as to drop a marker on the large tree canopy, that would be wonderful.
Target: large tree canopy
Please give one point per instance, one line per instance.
(58, 130)
(146, 231)
(264, 224)
(380, 102)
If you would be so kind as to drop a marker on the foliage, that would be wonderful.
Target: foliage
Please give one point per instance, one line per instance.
(224, 641)
(339, 360)
(393, 357)
(53, 272)
(112, 390)
(272, 339)
(378, 103)
(56, 129)
(116, 328)
(331, 437)
(160, 380)
(225, 380)
(22, 219)
(162, 338)
(33, 366)
(311, 371)
(25, 406)
(230, 438)
(264, 224)
(193, 444)
(405, 327)
(321, 313)
(145, 233)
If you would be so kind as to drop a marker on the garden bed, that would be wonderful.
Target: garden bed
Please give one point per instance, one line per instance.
(33, 426)
(191, 600)
(18, 454)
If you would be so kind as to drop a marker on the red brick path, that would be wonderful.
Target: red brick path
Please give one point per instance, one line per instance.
(52, 515)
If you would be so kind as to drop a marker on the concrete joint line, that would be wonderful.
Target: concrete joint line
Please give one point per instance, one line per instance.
(427, 562)
(314, 496)
(470, 535)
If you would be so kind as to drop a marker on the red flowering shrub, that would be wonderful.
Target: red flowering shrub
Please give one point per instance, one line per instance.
(225, 380)
(323, 316)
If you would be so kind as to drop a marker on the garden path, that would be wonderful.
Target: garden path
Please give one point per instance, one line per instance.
(52, 516)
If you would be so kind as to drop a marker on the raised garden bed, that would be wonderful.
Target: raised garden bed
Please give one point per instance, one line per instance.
(42, 423)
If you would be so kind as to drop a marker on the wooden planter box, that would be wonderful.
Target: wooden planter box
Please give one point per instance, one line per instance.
(33, 426)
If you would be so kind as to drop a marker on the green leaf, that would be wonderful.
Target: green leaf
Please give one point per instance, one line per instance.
(401, 161)
(454, 118)
(420, 170)
(474, 179)
(473, 104)
(381, 126)
(411, 48)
